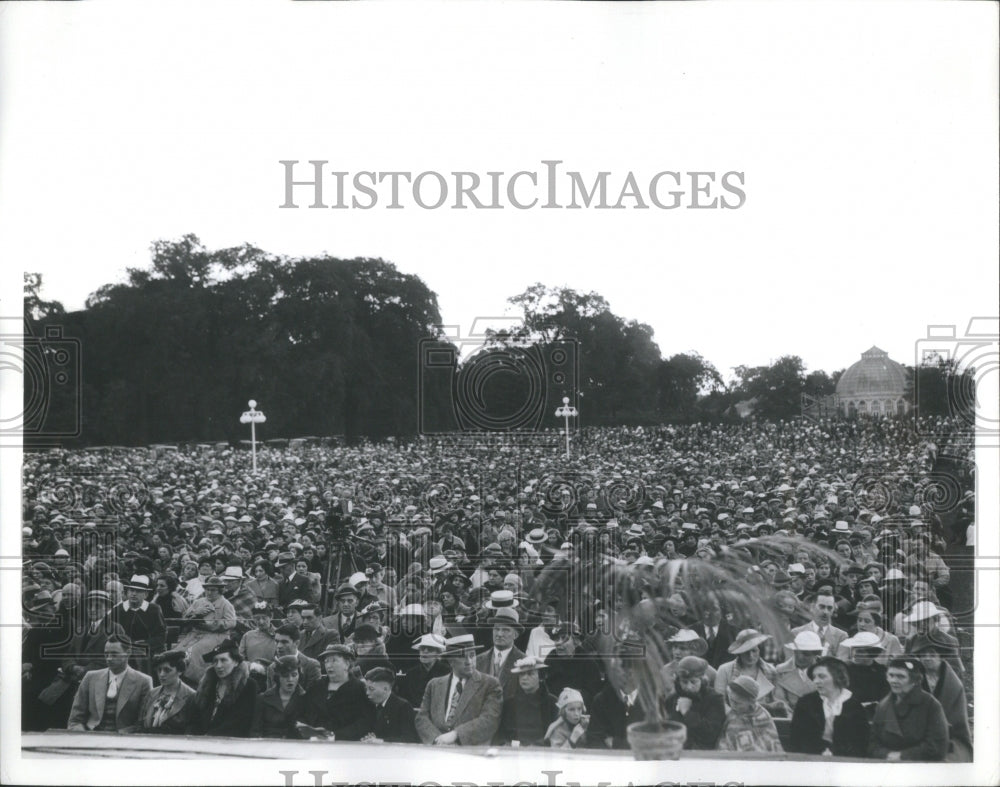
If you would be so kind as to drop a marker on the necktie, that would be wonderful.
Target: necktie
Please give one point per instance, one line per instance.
(453, 708)
(496, 663)
(112, 686)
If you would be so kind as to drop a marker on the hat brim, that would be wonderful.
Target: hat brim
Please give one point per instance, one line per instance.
(459, 651)
(751, 643)
(535, 668)
(700, 643)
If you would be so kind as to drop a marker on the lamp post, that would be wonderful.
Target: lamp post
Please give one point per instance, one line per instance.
(566, 412)
(253, 416)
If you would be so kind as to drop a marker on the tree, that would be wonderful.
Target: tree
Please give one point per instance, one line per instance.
(35, 308)
(680, 380)
(777, 388)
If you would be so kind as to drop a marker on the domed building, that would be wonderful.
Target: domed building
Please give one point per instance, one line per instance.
(875, 385)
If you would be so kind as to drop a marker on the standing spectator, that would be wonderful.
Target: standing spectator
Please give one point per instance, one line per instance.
(909, 723)
(829, 720)
(142, 622)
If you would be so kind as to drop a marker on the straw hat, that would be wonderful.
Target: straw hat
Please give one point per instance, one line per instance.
(746, 640)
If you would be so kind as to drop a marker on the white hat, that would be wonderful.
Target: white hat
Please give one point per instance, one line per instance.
(807, 641)
(864, 639)
(842, 526)
(357, 578)
(438, 563)
(416, 610)
(232, 572)
(915, 511)
(432, 641)
(922, 610)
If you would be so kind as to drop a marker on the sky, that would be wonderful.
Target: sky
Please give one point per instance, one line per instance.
(870, 180)
(866, 132)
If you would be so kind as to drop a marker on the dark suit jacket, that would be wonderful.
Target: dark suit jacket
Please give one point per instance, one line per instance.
(510, 730)
(312, 643)
(396, 721)
(178, 716)
(346, 713)
(718, 649)
(850, 728)
(297, 588)
(88, 705)
(508, 681)
(609, 718)
(412, 685)
(478, 714)
(87, 650)
(234, 715)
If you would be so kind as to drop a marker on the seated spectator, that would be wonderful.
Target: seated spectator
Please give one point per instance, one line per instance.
(168, 707)
(869, 618)
(696, 704)
(280, 707)
(570, 728)
(829, 720)
(746, 649)
(340, 705)
(394, 719)
(257, 646)
(111, 699)
(263, 585)
(286, 643)
(226, 697)
(926, 618)
(909, 724)
(615, 708)
(685, 642)
(944, 685)
(748, 726)
(530, 709)
(573, 663)
(865, 669)
(791, 679)
(429, 665)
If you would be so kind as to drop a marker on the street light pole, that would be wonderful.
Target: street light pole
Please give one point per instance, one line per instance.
(253, 416)
(566, 412)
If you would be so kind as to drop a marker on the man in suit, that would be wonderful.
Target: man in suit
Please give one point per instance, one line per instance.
(790, 678)
(499, 660)
(429, 666)
(293, 585)
(315, 636)
(394, 716)
(464, 707)
(346, 620)
(286, 643)
(822, 609)
(717, 633)
(111, 699)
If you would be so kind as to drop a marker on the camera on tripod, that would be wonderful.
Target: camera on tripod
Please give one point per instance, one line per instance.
(338, 526)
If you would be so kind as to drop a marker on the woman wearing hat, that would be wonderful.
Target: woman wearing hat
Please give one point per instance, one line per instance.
(829, 720)
(685, 642)
(748, 662)
(530, 709)
(909, 723)
(279, 708)
(171, 603)
(263, 585)
(226, 698)
(868, 616)
(208, 621)
(168, 707)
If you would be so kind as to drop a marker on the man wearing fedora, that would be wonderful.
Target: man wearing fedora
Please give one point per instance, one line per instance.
(142, 622)
(499, 660)
(111, 699)
(240, 596)
(791, 680)
(346, 619)
(462, 708)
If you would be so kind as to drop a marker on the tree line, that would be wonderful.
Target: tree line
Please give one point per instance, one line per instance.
(354, 347)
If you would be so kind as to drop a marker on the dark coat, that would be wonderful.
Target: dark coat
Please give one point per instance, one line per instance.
(704, 718)
(950, 692)
(515, 726)
(298, 587)
(271, 720)
(609, 718)
(915, 727)
(312, 643)
(395, 722)
(718, 648)
(580, 671)
(508, 681)
(850, 728)
(142, 627)
(411, 686)
(234, 714)
(346, 712)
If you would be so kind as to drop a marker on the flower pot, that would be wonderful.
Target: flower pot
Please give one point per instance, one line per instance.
(652, 740)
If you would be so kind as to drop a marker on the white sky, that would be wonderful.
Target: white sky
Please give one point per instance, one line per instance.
(868, 139)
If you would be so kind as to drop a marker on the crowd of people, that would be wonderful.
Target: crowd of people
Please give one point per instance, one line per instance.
(454, 592)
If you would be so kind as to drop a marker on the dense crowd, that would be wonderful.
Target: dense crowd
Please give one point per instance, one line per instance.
(456, 591)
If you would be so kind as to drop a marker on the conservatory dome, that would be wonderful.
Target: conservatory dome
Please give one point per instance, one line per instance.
(874, 385)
